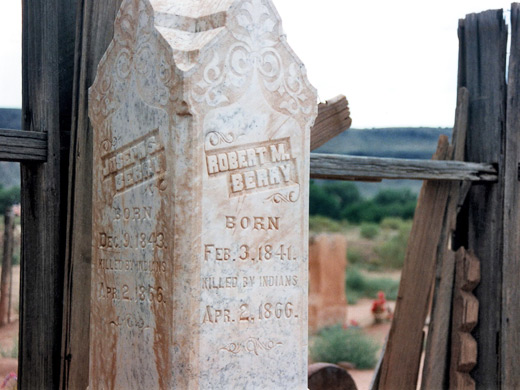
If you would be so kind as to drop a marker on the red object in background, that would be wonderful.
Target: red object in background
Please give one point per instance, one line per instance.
(379, 304)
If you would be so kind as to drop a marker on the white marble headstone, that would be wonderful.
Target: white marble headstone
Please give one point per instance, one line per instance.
(201, 116)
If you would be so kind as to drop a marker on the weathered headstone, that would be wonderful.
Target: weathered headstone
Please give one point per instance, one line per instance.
(327, 275)
(201, 116)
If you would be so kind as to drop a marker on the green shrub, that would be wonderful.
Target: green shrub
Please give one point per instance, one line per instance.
(8, 197)
(389, 286)
(355, 285)
(345, 193)
(387, 203)
(319, 224)
(369, 230)
(391, 197)
(393, 251)
(356, 256)
(330, 197)
(392, 223)
(359, 286)
(12, 353)
(335, 344)
(322, 203)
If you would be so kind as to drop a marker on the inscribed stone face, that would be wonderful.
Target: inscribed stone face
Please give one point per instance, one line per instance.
(201, 116)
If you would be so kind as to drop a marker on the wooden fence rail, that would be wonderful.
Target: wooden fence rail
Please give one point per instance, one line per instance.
(18, 145)
(343, 167)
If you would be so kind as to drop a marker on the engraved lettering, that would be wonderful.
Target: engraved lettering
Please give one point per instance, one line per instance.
(214, 316)
(237, 183)
(223, 164)
(244, 222)
(259, 223)
(286, 172)
(279, 281)
(278, 153)
(248, 281)
(251, 158)
(242, 163)
(230, 222)
(116, 264)
(274, 175)
(266, 311)
(212, 164)
(233, 162)
(208, 250)
(262, 178)
(250, 179)
(273, 223)
(214, 283)
(251, 167)
(126, 292)
(120, 182)
(137, 173)
(134, 163)
(261, 154)
(134, 240)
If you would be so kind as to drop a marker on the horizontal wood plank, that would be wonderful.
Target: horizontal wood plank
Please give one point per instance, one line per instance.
(344, 167)
(19, 145)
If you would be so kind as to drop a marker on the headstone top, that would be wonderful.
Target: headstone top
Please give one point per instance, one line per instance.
(250, 30)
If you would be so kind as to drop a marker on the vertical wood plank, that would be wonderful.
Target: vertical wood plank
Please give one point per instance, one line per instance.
(47, 38)
(511, 267)
(94, 31)
(435, 369)
(7, 259)
(483, 40)
(400, 367)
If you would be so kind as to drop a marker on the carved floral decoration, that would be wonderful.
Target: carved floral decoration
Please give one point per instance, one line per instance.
(282, 198)
(128, 57)
(251, 345)
(256, 52)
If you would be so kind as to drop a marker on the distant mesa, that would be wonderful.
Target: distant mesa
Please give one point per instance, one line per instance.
(405, 142)
(10, 118)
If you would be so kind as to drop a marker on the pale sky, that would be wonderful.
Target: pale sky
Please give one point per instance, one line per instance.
(395, 61)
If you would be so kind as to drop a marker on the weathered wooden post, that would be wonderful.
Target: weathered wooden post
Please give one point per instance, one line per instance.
(47, 70)
(510, 329)
(482, 65)
(202, 121)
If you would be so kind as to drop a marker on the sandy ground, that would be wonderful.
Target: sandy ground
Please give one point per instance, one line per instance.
(9, 335)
